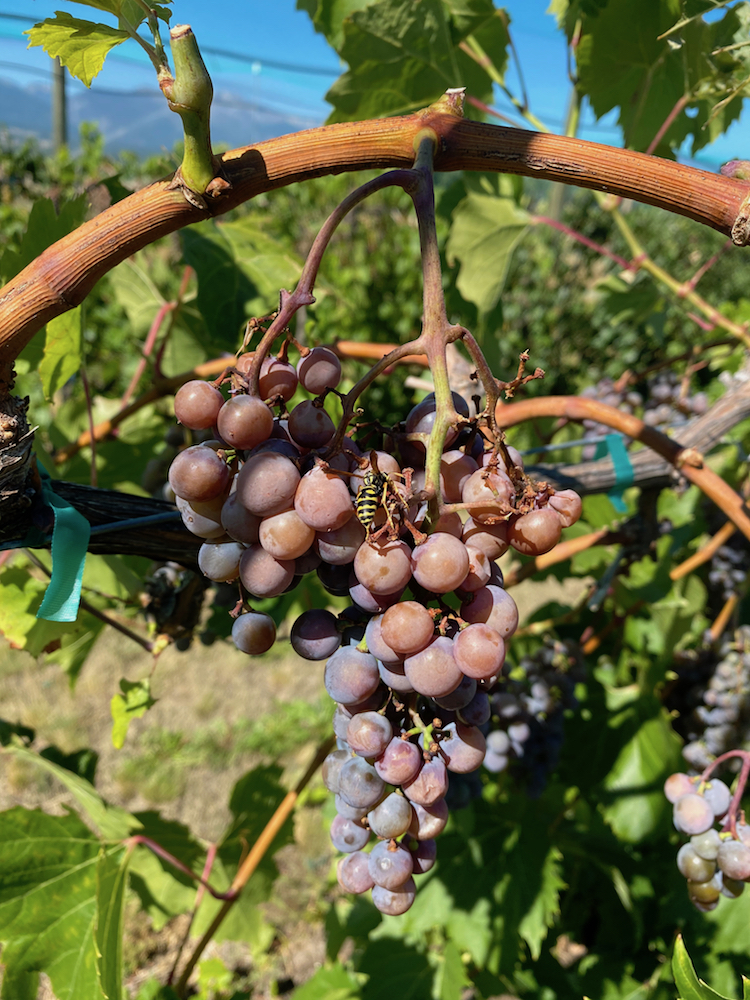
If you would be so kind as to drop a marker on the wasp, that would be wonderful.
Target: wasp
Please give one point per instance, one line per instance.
(370, 496)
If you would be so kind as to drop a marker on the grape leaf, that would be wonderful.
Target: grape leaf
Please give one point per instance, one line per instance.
(541, 915)
(450, 978)
(82, 46)
(328, 16)
(48, 900)
(62, 351)
(329, 983)
(635, 781)
(395, 970)
(44, 227)
(19, 986)
(485, 231)
(20, 597)
(133, 703)
(404, 54)
(690, 987)
(111, 883)
(112, 822)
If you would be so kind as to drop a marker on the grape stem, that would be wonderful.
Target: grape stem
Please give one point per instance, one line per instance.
(731, 821)
(162, 852)
(302, 295)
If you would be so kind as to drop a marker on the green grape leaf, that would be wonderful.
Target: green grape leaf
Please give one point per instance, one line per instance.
(404, 56)
(112, 822)
(20, 597)
(20, 986)
(82, 46)
(328, 17)
(634, 784)
(546, 906)
(240, 270)
(44, 227)
(450, 978)
(62, 351)
(745, 988)
(395, 970)
(133, 703)
(111, 883)
(48, 900)
(163, 890)
(331, 982)
(689, 986)
(485, 231)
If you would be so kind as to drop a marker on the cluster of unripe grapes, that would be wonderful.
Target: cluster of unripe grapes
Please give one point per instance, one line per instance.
(714, 862)
(412, 661)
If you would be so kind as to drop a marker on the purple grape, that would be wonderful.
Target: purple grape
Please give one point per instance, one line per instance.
(390, 865)
(347, 835)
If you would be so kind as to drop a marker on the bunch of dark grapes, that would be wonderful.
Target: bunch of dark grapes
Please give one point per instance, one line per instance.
(528, 712)
(714, 862)
(717, 716)
(729, 569)
(664, 403)
(277, 496)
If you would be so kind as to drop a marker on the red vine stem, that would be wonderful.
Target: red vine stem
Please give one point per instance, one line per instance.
(731, 821)
(688, 461)
(162, 852)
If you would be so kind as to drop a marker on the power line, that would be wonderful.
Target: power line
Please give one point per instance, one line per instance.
(228, 54)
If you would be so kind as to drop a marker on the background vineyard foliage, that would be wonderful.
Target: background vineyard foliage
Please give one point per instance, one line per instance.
(572, 893)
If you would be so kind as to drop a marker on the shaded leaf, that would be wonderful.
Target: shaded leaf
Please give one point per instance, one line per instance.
(133, 703)
(541, 915)
(81, 46)
(451, 978)
(62, 351)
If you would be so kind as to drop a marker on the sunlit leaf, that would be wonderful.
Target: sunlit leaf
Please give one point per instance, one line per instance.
(81, 46)
(133, 703)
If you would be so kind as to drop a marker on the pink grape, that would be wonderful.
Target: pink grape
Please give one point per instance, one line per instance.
(536, 532)
(277, 378)
(433, 671)
(323, 500)
(197, 404)
(440, 563)
(310, 426)
(383, 566)
(319, 370)
(254, 633)
(267, 484)
(285, 535)
(244, 421)
(262, 575)
(199, 473)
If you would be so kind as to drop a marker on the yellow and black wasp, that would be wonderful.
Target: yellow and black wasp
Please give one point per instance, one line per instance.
(370, 496)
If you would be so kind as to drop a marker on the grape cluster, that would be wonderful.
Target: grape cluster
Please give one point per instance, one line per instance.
(714, 862)
(410, 662)
(720, 717)
(528, 713)
(662, 404)
(729, 569)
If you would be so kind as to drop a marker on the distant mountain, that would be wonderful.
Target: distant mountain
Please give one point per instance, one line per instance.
(140, 121)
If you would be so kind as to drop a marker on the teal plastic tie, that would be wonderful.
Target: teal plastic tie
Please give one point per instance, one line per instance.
(614, 446)
(70, 542)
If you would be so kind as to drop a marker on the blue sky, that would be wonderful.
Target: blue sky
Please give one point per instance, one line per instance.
(271, 31)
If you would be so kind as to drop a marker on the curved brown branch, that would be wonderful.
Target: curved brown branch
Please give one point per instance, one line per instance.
(63, 275)
(650, 469)
(688, 461)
